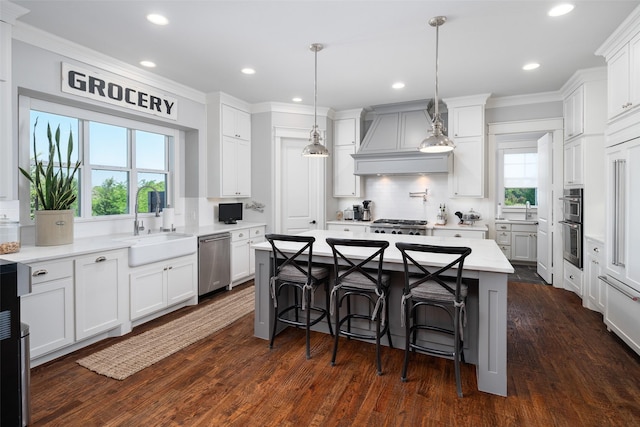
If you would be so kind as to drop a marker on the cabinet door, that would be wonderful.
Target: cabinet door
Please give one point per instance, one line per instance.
(618, 83)
(634, 73)
(574, 113)
(239, 255)
(523, 246)
(593, 269)
(243, 125)
(467, 121)
(48, 310)
(229, 175)
(181, 281)
(573, 163)
(344, 132)
(236, 123)
(97, 293)
(503, 237)
(243, 168)
(345, 183)
(147, 291)
(467, 179)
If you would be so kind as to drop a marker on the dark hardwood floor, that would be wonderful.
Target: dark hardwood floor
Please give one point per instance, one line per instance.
(564, 369)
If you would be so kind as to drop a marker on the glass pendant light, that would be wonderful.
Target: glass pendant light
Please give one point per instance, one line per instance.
(437, 141)
(315, 149)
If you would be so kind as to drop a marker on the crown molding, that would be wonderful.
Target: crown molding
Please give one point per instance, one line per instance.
(534, 98)
(41, 39)
(9, 12)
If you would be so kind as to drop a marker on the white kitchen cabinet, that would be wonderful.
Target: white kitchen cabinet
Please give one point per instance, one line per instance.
(451, 232)
(574, 163)
(467, 121)
(574, 113)
(228, 147)
(467, 129)
(467, 176)
(349, 226)
(594, 267)
(48, 309)
(346, 141)
(242, 255)
(572, 278)
(236, 123)
(8, 169)
(159, 285)
(99, 291)
(524, 244)
(622, 313)
(624, 78)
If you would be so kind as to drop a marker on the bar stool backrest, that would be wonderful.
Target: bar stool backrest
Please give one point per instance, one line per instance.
(414, 269)
(342, 274)
(282, 259)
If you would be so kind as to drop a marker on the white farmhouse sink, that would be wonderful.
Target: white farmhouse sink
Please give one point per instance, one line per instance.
(157, 247)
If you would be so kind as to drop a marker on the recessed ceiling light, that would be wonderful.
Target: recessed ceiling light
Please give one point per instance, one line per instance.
(148, 64)
(530, 66)
(157, 19)
(296, 99)
(561, 9)
(248, 71)
(397, 85)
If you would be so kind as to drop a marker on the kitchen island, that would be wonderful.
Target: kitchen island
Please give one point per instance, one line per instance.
(486, 331)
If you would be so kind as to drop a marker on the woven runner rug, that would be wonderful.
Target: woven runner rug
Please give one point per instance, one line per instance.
(138, 352)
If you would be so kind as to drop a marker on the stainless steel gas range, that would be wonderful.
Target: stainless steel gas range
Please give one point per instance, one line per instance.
(399, 226)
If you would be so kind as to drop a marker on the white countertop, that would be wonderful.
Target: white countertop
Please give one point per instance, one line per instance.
(31, 253)
(517, 221)
(450, 226)
(485, 253)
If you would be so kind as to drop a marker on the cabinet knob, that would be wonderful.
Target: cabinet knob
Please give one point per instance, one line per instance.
(241, 235)
(571, 276)
(596, 250)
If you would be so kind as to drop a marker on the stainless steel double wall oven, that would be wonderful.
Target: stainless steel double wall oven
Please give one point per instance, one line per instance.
(573, 215)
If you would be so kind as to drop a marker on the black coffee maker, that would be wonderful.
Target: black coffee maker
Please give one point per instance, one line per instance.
(357, 212)
(366, 211)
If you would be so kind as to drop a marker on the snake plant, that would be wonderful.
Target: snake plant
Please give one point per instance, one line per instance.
(54, 186)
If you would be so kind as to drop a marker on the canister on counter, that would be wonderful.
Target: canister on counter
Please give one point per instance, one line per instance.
(9, 235)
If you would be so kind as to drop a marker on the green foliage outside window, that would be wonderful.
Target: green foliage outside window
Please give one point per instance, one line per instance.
(519, 196)
(112, 197)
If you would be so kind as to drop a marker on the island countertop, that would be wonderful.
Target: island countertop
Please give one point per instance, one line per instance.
(485, 253)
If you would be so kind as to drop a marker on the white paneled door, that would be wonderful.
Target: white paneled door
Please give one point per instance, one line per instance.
(545, 205)
(301, 187)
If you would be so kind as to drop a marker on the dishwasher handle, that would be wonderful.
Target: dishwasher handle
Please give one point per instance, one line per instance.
(215, 237)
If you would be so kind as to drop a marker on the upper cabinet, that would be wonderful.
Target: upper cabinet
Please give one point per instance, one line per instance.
(346, 141)
(9, 13)
(228, 147)
(622, 52)
(467, 129)
(573, 113)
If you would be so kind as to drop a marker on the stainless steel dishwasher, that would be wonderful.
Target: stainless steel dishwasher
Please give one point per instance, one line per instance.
(214, 262)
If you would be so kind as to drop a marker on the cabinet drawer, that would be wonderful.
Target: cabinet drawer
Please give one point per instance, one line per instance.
(239, 235)
(47, 271)
(503, 227)
(622, 314)
(503, 237)
(527, 228)
(256, 232)
(506, 250)
(467, 234)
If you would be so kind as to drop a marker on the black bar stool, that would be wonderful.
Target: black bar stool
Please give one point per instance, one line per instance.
(293, 270)
(423, 288)
(353, 280)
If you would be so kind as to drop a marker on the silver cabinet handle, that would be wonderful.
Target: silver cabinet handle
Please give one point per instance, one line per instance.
(101, 259)
(571, 276)
(618, 288)
(39, 273)
(596, 250)
(457, 235)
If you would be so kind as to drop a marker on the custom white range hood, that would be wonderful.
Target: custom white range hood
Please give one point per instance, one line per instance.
(390, 147)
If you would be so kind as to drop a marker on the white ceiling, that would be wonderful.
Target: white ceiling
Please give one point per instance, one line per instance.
(369, 44)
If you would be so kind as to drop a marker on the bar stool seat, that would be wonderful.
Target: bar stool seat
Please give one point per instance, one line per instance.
(292, 270)
(440, 289)
(356, 282)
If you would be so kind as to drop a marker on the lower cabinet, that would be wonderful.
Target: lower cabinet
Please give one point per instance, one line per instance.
(622, 313)
(572, 278)
(468, 234)
(595, 291)
(156, 286)
(242, 254)
(99, 292)
(349, 226)
(48, 309)
(518, 242)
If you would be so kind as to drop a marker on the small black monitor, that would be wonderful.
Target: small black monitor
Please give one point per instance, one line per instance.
(229, 213)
